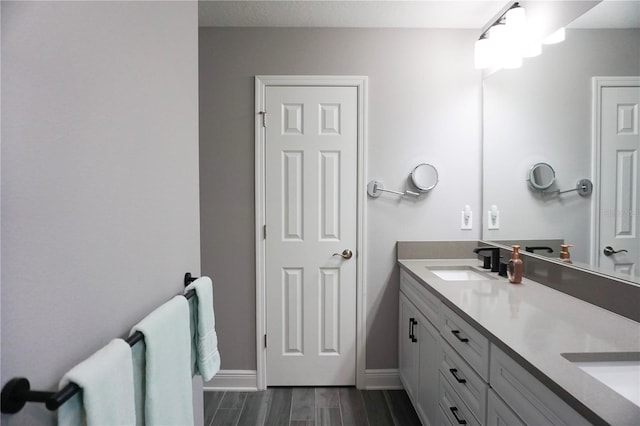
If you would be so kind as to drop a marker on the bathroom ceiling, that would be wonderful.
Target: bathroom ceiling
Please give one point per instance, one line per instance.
(472, 14)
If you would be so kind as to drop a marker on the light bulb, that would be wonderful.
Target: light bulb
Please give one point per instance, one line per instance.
(512, 62)
(531, 49)
(498, 36)
(483, 53)
(516, 19)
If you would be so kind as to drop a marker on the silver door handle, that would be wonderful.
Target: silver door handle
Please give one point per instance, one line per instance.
(608, 251)
(346, 254)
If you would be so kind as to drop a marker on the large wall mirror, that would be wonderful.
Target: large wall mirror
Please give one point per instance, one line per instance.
(544, 113)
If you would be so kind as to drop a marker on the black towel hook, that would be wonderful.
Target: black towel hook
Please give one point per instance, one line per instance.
(188, 279)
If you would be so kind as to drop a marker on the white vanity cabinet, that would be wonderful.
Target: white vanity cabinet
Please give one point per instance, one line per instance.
(455, 376)
(419, 347)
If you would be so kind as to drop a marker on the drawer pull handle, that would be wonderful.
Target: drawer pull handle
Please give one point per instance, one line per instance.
(454, 411)
(453, 372)
(412, 335)
(457, 334)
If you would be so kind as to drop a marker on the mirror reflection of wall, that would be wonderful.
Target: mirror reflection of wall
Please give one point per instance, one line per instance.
(542, 112)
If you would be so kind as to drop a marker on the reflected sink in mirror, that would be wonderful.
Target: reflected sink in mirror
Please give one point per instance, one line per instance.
(459, 273)
(618, 370)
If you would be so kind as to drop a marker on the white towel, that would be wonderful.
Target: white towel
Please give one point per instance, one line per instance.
(106, 379)
(168, 393)
(205, 340)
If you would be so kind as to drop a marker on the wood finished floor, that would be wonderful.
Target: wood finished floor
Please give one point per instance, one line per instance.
(309, 407)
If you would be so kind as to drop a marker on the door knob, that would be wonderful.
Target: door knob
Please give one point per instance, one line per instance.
(608, 251)
(346, 254)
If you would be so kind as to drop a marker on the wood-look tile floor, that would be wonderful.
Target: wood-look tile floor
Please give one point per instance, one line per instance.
(308, 406)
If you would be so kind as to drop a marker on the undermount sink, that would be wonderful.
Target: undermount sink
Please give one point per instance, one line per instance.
(618, 370)
(459, 273)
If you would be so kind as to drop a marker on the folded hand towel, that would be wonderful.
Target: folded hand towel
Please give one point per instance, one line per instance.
(206, 339)
(106, 379)
(168, 392)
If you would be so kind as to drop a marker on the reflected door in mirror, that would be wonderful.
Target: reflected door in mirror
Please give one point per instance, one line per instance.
(620, 181)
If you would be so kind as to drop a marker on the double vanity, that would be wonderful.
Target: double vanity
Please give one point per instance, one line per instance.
(475, 349)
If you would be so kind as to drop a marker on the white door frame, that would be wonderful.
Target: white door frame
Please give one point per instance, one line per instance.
(261, 83)
(599, 83)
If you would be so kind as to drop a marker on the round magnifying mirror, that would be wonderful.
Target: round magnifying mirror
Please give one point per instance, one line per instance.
(424, 177)
(541, 176)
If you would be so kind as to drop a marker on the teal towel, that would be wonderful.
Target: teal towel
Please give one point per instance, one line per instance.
(205, 340)
(107, 396)
(167, 392)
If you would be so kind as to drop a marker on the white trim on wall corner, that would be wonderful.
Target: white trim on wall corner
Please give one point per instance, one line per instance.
(233, 380)
(383, 379)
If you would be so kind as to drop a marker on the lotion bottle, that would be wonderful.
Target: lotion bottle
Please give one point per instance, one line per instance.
(514, 267)
(565, 256)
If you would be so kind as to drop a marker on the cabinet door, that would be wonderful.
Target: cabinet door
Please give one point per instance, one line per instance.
(430, 355)
(408, 347)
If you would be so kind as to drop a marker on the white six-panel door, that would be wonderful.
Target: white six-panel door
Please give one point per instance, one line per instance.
(311, 214)
(620, 180)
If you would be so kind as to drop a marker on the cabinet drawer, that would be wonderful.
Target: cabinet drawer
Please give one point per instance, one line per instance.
(466, 340)
(465, 381)
(425, 301)
(455, 411)
(499, 413)
(533, 402)
(443, 419)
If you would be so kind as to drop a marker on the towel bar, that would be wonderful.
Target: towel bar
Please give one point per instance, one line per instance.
(17, 391)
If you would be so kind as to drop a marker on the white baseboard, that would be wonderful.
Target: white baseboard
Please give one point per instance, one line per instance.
(233, 380)
(246, 380)
(383, 379)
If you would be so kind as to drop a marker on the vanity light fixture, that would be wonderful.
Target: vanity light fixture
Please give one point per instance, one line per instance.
(508, 40)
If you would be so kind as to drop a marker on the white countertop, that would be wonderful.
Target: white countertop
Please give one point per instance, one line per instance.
(539, 324)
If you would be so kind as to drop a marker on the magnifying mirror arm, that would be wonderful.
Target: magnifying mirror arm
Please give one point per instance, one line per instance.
(407, 192)
(374, 188)
(584, 188)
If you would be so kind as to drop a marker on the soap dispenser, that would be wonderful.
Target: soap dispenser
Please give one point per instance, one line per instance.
(514, 267)
(565, 256)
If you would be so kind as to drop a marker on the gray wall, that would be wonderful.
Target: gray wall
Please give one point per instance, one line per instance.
(100, 216)
(542, 112)
(424, 106)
